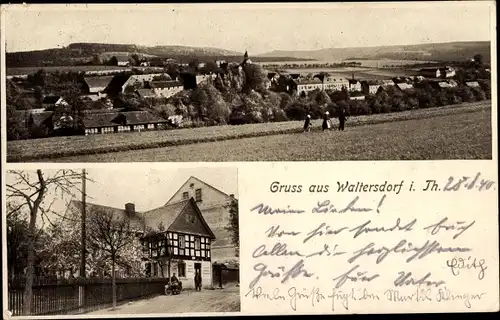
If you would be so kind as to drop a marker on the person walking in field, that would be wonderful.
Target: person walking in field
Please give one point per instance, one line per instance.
(342, 118)
(307, 124)
(326, 121)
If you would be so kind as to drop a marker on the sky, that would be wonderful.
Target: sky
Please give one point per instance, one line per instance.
(145, 186)
(257, 28)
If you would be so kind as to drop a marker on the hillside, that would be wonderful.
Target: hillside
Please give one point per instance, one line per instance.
(434, 51)
(84, 53)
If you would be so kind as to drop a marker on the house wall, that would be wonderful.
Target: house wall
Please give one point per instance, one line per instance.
(215, 209)
(167, 92)
(188, 279)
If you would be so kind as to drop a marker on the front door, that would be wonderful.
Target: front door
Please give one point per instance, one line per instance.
(197, 270)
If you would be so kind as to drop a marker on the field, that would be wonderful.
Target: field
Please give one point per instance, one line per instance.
(458, 136)
(429, 125)
(360, 73)
(30, 70)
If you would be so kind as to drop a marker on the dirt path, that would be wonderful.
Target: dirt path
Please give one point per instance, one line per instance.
(223, 300)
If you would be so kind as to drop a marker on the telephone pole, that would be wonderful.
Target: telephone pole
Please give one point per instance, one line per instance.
(84, 219)
(81, 288)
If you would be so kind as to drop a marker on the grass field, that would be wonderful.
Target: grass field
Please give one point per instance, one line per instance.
(452, 133)
(49, 149)
(30, 70)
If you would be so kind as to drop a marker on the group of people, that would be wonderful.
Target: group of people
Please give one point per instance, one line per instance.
(327, 122)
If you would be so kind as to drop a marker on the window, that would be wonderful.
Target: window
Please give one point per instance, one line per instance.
(198, 195)
(181, 269)
(197, 244)
(185, 195)
(182, 242)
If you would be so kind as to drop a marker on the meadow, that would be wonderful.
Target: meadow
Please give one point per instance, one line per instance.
(455, 136)
(85, 148)
(31, 70)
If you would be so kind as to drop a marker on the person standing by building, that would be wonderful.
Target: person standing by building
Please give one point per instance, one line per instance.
(326, 121)
(197, 280)
(307, 124)
(342, 118)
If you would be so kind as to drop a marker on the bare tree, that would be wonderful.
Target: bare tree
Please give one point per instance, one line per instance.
(29, 190)
(112, 235)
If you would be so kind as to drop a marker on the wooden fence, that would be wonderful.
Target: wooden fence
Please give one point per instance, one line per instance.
(59, 297)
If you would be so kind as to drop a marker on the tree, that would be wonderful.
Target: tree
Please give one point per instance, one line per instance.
(29, 191)
(233, 225)
(111, 235)
(17, 241)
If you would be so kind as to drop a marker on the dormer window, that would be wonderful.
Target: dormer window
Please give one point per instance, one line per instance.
(185, 195)
(198, 195)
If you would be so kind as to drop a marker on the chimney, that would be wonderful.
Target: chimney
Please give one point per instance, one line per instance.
(130, 209)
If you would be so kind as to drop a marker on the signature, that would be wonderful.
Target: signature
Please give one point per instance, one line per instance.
(460, 226)
(456, 264)
(404, 247)
(445, 294)
(285, 275)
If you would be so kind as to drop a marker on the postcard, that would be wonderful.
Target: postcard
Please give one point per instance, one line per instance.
(249, 159)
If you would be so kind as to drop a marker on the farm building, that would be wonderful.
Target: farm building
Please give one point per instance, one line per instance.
(388, 82)
(357, 95)
(335, 83)
(100, 122)
(139, 80)
(121, 60)
(97, 85)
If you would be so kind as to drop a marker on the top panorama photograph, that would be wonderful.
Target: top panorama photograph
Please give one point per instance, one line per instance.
(254, 82)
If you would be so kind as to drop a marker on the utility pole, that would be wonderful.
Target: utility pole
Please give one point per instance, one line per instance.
(84, 219)
(81, 288)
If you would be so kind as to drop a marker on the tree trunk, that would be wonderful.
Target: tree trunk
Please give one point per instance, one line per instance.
(28, 287)
(113, 280)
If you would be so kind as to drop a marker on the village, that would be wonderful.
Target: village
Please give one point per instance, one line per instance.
(156, 94)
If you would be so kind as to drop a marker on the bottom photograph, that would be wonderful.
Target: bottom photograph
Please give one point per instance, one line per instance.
(121, 241)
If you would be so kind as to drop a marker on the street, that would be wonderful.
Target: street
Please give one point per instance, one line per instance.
(219, 300)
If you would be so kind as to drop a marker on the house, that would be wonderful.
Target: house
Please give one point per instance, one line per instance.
(182, 245)
(354, 85)
(51, 101)
(145, 93)
(37, 122)
(121, 60)
(472, 84)
(306, 85)
(388, 82)
(105, 121)
(404, 86)
(97, 85)
(443, 84)
(357, 95)
(370, 87)
(335, 83)
(214, 205)
(166, 89)
(437, 72)
(138, 80)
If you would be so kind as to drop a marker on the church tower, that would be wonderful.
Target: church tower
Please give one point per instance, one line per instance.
(245, 59)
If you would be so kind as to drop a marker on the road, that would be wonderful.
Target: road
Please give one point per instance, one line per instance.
(219, 300)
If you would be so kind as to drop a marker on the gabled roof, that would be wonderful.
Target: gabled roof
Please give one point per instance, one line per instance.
(50, 99)
(169, 213)
(98, 82)
(404, 86)
(308, 81)
(122, 58)
(109, 119)
(136, 220)
(193, 177)
(165, 84)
